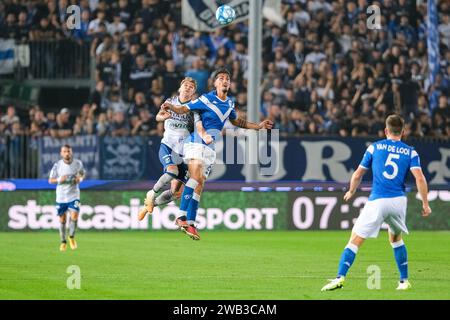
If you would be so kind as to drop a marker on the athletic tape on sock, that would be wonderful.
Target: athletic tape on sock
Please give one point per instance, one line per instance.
(397, 244)
(352, 247)
(192, 183)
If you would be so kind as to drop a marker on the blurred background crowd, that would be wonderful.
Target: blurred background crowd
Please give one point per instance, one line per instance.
(324, 71)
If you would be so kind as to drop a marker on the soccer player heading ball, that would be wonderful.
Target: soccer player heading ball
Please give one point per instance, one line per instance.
(390, 160)
(68, 174)
(214, 109)
(177, 127)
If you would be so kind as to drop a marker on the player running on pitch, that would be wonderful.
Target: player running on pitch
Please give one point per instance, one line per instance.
(67, 173)
(176, 128)
(390, 160)
(214, 109)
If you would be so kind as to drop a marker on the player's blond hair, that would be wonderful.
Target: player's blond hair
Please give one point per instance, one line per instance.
(191, 80)
(395, 124)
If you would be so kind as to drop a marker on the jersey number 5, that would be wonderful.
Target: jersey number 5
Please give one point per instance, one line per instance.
(392, 164)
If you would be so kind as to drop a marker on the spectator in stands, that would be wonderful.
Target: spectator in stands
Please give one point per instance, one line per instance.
(102, 126)
(95, 25)
(138, 105)
(23, 28)
(115, 102)
(141, 76)
(146, 124)
(324, 69)
(45, 31)
(200, 74)
(9, 28)
(97, 98)
(119, 126)
(171, 79)
(10, 117)
(61, 128)
(82, 33)
(117, 25)
(39, 125)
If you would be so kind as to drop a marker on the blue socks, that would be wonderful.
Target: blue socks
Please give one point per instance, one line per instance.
(192, 209)
(347, 258)
(350, 251)
(401, 257)
(191, 184)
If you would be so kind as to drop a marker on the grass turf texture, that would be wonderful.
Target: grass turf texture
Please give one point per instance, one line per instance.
(223, 265)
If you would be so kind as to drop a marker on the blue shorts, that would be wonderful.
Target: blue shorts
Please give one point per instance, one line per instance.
(168, 157)
(62, 208)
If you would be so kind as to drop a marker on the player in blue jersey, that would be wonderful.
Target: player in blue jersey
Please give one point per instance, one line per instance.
(214, 109)
(390, 160)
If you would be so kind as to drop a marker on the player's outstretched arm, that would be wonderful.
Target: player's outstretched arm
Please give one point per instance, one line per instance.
(242, 123)
(355, 181)
(177, 109)
(422, 187)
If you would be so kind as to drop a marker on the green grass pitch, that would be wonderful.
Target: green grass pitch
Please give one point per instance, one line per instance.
(223, 265)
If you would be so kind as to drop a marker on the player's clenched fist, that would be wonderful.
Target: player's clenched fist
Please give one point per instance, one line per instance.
(426, 211)
(266, 124)
(348, 195)
(166, 106)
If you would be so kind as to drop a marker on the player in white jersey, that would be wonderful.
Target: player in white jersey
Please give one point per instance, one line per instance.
(390, 160)
(67, 173)
(177, 127)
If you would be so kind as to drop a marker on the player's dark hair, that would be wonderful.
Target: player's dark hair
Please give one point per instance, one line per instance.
(220, 71)
(66, 146)
(395, 123)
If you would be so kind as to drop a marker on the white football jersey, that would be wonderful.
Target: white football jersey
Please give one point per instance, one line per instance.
(177, 127)
(66, 191)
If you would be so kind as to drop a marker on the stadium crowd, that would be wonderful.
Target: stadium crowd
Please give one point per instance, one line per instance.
(324, 71)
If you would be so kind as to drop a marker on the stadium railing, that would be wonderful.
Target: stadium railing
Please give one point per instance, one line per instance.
(19, 157)
(58, 63)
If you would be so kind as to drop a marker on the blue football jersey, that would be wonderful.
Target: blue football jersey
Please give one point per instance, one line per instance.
(390, 162)
(213, 112)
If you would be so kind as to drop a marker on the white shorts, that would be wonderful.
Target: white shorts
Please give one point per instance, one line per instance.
(389, 210)
(201, 152)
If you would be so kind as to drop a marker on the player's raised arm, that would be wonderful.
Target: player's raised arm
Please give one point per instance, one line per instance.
(242, 123)
(422, 187)
(166, 106)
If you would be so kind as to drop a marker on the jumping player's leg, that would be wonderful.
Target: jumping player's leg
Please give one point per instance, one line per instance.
(195, 166)
(197, 174)
(176, 187)
(170, 173)
(166, 157)
(171, 194)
